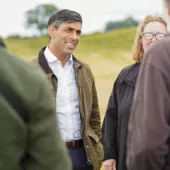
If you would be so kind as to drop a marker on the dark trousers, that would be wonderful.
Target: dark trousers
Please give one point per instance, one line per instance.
(79, 158)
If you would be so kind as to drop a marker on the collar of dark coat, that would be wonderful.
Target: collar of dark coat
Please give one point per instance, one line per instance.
(43, 62)
(131, 74)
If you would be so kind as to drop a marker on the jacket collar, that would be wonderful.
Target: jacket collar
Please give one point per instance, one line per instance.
(44, 65)
(131, 75)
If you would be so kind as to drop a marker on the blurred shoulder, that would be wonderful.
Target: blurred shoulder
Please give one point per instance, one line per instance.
(160, 48)
(158, 55)
(19, 69)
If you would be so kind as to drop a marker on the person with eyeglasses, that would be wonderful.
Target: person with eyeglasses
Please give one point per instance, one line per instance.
(115, 124)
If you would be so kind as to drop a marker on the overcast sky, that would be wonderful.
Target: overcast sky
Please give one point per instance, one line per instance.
(95, 13)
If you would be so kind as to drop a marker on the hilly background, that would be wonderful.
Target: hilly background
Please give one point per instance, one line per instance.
(106, 53)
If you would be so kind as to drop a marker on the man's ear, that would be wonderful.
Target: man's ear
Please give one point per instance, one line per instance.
(51, 31)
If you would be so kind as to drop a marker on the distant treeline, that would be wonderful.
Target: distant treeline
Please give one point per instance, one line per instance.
(126, 23)
(37, 17)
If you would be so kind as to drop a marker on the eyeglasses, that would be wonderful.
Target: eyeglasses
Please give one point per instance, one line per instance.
(149, 36)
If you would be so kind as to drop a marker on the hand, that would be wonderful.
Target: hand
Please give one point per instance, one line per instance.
(109, 164)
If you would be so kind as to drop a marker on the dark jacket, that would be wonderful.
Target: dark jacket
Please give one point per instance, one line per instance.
(34, 144)
(114, 129)
(149, 124)
(88, 103)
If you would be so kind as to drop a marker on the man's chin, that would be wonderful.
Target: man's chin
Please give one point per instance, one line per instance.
(69, 52)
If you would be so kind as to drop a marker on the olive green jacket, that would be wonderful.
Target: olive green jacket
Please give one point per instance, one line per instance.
(88, 102)
(35, 144)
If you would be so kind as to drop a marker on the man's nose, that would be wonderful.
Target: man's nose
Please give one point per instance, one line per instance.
(74, 35)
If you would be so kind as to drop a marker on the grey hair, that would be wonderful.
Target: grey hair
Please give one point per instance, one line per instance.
(63, 16)
(56, 24)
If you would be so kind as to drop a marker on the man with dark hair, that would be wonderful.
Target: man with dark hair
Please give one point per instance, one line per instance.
(74, 91)
(149, 125)
(30, 137)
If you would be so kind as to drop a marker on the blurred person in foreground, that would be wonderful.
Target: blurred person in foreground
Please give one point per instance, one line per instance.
(149, 124)
(30, 139)
(115, 126)
(74, 91)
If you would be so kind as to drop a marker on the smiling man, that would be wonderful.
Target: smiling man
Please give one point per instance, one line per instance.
(74, 91)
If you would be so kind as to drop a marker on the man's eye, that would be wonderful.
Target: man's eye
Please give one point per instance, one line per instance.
(78, 32)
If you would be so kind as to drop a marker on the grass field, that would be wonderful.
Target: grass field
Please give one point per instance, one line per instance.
(106, 53)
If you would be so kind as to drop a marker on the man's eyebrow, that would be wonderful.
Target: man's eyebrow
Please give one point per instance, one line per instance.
(71, 28)
(79, 31)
